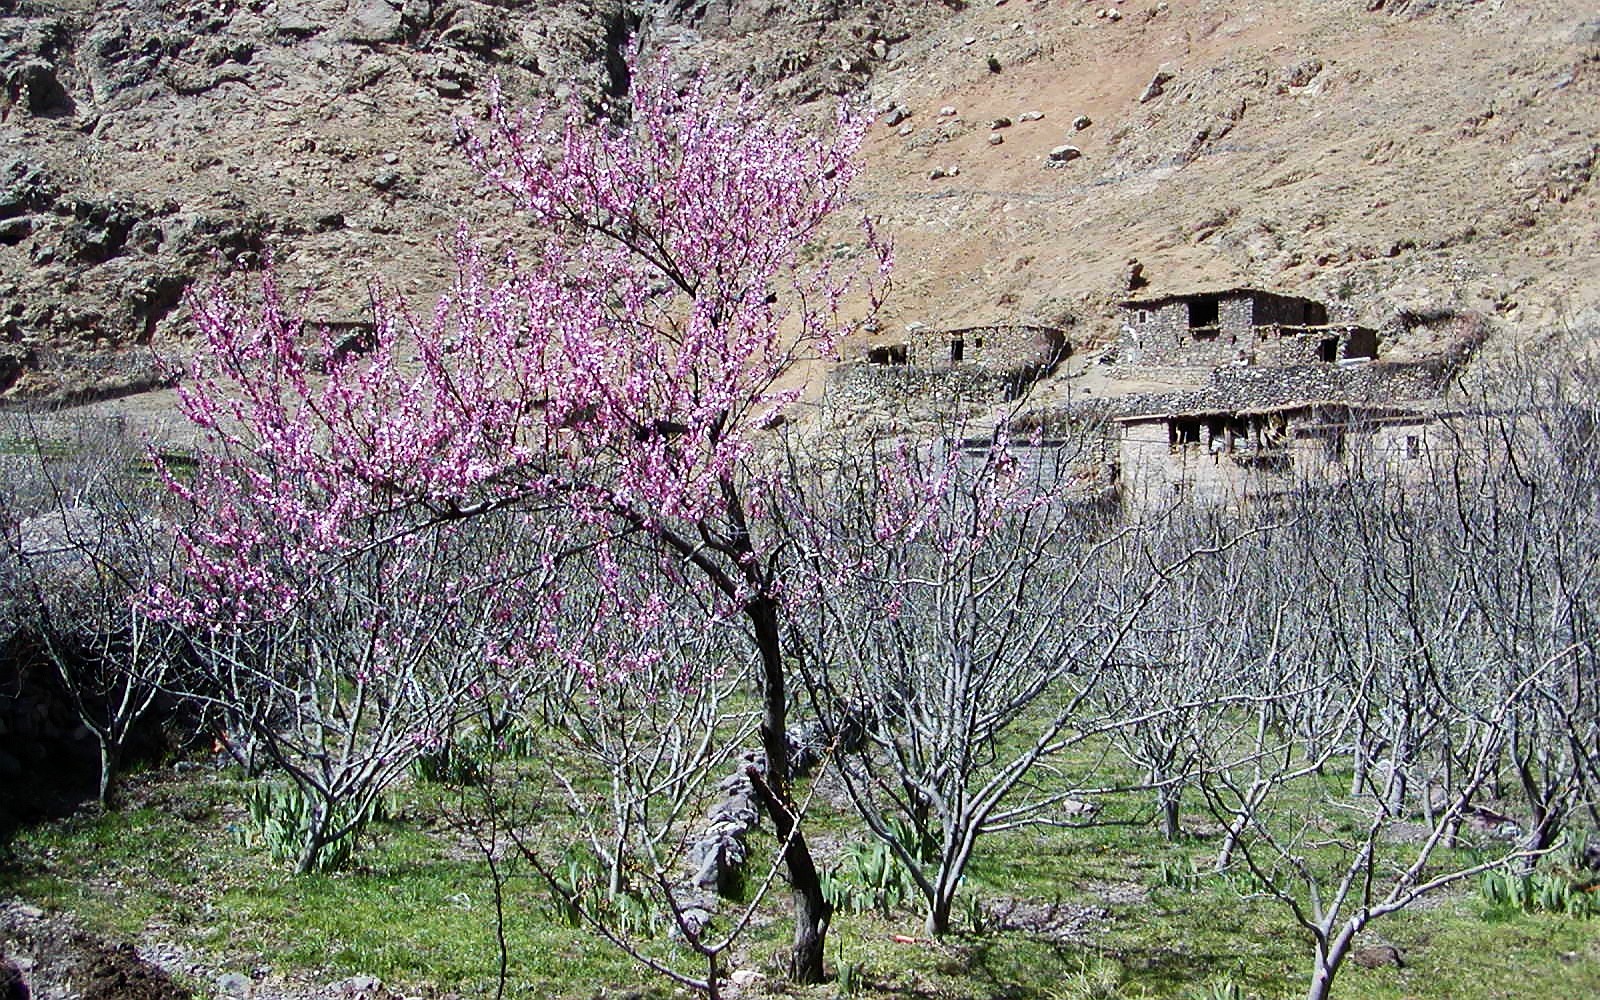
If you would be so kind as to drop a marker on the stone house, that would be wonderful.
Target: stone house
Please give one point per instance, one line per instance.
(999, 361)
(1237, 326)
(1235, 456)
(1006, 348)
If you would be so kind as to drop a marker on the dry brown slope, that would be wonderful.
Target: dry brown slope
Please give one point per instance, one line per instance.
(1441, 155)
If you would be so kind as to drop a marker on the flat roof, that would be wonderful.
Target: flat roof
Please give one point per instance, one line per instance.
(1372, 411)
(1207, 293)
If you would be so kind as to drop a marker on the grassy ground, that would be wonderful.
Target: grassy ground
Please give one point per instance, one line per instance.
(1068, 913)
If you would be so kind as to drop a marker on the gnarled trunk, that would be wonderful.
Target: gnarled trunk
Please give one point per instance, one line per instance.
(812, 911)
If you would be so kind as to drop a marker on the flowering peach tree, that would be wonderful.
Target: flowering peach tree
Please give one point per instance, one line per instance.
(608, 383)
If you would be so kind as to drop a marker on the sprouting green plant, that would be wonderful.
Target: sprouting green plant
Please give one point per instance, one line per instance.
(1218, 988)
(453, 762)
(1097, 979)
(582, 888)
(974, 915)
(874, 878)
(1180, 873)
(851, 976)
(1539, 892)
(281, 816)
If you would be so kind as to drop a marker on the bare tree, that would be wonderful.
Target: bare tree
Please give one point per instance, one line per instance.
(960, 613)
(372, 658)
(84, 543)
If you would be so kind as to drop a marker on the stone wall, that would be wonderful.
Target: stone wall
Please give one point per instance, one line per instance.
(1215, 329)
(1249, 387)
(1161, 333)
(858, 385)
(1004, 347)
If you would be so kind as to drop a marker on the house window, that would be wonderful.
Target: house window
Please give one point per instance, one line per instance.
(1328, 349)
(958, 350)
(1182, 432)
(1203, 312)
(1413, 446)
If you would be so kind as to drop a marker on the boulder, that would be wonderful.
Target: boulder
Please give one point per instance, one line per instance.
(372, 22)
(1063, 155)
(1302, 73)
(1157, 85)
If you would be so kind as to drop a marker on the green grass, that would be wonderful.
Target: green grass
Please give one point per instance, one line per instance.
(417, 912)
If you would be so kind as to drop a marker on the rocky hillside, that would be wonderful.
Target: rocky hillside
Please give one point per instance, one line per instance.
(1384, 155)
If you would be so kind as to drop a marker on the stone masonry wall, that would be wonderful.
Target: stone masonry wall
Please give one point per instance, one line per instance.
(858, 385)
(1000, 346)
(1238, 388)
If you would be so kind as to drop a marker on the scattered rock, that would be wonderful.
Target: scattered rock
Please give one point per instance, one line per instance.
(359, 985)
(745, 978)
(1081, 122)
(235, 984)
(899, 114)
(1378, 956)
(14, 231)
(296, 25)
(1031, 116)
(25, 187)
(446, 87)
(948, 111)
(1302, 73)
(1062, 155)
(373, 22)
(996, 139)
(1157, 85)
(999, 123)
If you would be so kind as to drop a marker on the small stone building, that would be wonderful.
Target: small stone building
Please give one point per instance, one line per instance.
(1233, 457)
(1237, 326)
(999, 361)
(1000, 348)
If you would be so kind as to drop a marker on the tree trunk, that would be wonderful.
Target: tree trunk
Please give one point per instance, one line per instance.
(1168, 797)
(315, 840)
(1330, 955)
(110, 757)
(812, 911)
(1241, 822)
(938, 923)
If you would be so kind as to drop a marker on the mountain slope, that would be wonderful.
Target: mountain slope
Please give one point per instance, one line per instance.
(1419, 155)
